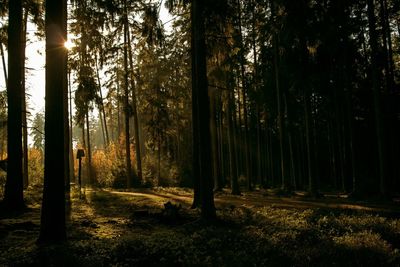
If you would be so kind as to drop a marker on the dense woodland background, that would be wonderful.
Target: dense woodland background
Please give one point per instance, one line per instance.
(294, 96)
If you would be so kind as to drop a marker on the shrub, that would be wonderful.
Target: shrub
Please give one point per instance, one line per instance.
(35, 166)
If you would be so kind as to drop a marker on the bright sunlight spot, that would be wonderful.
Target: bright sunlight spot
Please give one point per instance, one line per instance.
(68, 44)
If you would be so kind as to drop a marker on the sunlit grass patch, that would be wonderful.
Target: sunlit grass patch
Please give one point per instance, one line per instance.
(367, 248)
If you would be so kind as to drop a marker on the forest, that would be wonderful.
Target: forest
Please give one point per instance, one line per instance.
(201, 133)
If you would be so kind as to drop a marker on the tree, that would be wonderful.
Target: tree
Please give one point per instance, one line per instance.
(13, 197)
(200, 100)
(376, 80)
(52, 226)
(37, 131)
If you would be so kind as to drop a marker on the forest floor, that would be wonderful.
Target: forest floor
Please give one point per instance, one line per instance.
(134, 228)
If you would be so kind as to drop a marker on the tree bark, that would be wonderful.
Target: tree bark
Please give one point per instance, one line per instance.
(24, 106)
(71, 155)
(4, 64)
(379, 123)
(279, 104)
(89, 151)
(52, 226)
(232, 147)
(201, 103)
(244, 96)
(126, 104)
(101, 109)
(13, 195)
(214, 142)
(135, 117)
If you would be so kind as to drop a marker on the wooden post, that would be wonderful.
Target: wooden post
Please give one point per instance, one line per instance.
(79, 155)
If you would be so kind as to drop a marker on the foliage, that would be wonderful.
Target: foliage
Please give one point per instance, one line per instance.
(159, 173)
(35, 166)
(107, 164)
(37, 131)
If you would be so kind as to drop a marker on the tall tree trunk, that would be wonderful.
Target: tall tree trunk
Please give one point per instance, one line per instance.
(52, 226)
(135, 116)
(201, 102)
(232, 147)
(312, 189)
(387, 45)
(279, 104)
(221, 143)
(13, 195)
(126, 104)
(3, 60)
(214, 142)
(107, 138)
(67, 155)
(256, 85)
(379, 123)
(292, 166)
(24, 106)
(89, 151)
(244, 96)
(119, 127)
(71, 155)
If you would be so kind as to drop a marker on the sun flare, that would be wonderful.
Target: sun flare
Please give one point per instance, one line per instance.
(68, 44)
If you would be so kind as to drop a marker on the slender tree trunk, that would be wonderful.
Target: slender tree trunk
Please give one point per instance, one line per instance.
(119, 127)
(102, 110)
(379, 123)
(71, 155)
(221, 143)
(135, 117)
(126, 104)
(203, 111)
(256, 85)
(89, 151)
(214, 143)
(13, 195)
(332, 155)
(292, 166)
(52, 226)
(387, 45)
(238, 128)
(279, 104)
(232, 147)
(4, 63)
(24, 106)
(308, 131)
(244, 96)
(67, 155)
(279, 119)
(268, 152)
(195, 126)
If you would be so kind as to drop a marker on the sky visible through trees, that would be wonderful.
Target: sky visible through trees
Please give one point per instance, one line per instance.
(36, 60)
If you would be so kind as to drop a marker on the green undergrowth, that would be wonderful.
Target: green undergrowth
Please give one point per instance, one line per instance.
(111, 229)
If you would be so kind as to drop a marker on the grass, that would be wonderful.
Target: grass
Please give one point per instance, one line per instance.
(130, 228)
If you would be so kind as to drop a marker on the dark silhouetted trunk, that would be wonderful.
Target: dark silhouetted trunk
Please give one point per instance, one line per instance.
(232, 147)
(89, 151)
(246, 145)
(3, 60)
(201, 103)
(279, 104)
(52, 226)
(71, 154)
(379, 123)
(214, 142)
(127, 106)
(24, 107)
(13, 195)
